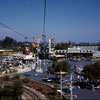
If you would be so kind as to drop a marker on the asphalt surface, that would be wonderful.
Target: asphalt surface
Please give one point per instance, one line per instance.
(82, 94)
(86, 94)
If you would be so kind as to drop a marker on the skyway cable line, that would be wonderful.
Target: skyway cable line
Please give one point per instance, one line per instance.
(13, 30)
(22, 9)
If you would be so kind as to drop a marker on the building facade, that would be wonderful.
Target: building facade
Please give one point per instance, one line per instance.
(79, 51)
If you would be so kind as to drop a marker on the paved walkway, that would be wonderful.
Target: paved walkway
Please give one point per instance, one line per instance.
(86, 94)
(26, 97)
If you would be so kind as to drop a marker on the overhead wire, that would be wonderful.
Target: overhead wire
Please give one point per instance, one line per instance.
(27, 9)
(33, 15)
(21, 11)
(31, 12)
(13, 30)
(27, 15)
(27, 18)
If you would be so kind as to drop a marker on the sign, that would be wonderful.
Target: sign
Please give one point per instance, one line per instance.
(63, 73)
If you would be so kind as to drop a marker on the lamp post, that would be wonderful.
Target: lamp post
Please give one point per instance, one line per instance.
(71, 94)
(61, 84)
(61, 73)
(71, 88)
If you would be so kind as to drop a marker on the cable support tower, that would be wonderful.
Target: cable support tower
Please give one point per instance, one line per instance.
(44, 36)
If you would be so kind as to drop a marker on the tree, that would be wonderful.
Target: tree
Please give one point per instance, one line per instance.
(17, 90)
(60, 66)
(63, 46)
(13, 92)
(8, 41)
(92, 71)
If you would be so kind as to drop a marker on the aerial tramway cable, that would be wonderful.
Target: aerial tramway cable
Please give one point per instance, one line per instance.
(12, 30)
(44, 36)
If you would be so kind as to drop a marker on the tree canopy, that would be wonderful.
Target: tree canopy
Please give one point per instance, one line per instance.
(13, 92)
(8, 41)
(63, 66)
(63, 46)
(92, 71)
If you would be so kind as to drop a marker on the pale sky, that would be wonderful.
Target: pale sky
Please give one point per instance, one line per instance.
(70, 20)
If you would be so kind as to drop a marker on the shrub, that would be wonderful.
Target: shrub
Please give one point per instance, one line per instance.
(6, 78)
(26, 80)
(17, 77)
(52, 98)
(39, 89)
(56, 85)
(17, 89)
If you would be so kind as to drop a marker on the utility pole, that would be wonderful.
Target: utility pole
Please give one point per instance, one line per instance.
(71, 88)
(61, 73)
(61, 85)
(71, 94)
